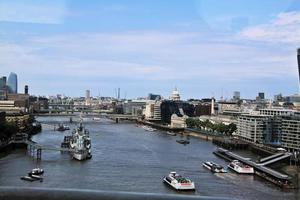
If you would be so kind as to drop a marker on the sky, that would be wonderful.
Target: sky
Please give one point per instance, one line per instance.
(203, 47)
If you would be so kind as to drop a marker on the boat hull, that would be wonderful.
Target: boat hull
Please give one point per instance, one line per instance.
(179, 187)
(240, 170)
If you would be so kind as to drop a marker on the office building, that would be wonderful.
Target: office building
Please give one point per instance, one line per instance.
(154, 97)
(261, 95)
(298, 58)
(3, 88)
(236, 95)
(26, 89)
(12, 83)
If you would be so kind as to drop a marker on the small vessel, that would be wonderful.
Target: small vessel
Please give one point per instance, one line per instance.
(215, 168)
(183, 141)
(178, 182)
(28, 178)
(36, 171)
(96, 118)
(148, 128)
(171, 133)
(240, 168)
(37, 177)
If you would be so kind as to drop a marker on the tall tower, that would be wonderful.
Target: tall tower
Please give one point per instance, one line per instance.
(12, 83)
(298, 57)
(212, 106)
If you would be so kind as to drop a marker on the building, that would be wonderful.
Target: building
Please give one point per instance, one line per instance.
(3, 88)
(12, 83)
(298, 58)
(259, 128)
(154, 97)
(276, 112)
(290, 136)
(180, 108)
(236, 96)
(178, 122)
(87, 97)
(261, 95)
(149, 110)
(157, 111)
(175, 96)
(134, 107)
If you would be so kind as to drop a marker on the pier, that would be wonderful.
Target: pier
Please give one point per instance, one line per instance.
(260, 169)
(35, 150)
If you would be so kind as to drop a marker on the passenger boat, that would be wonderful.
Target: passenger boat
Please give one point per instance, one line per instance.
(215, 168)
(178, 182)
(240, 168)
(183, 141)
(36, 171)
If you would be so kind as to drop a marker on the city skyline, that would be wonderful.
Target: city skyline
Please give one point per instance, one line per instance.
(141, 47)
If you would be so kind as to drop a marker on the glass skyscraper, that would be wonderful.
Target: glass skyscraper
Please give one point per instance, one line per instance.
(12, 83)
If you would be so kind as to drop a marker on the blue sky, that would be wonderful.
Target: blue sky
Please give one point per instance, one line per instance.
(203, 47)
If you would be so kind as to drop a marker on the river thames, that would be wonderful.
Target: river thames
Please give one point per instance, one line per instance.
(128, 158)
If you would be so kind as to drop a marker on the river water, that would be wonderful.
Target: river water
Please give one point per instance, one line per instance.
(128, 158)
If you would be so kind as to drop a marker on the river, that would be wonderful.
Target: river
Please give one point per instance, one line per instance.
(128, 158)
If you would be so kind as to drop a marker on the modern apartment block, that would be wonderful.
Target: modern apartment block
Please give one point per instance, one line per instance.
(259, 128)
(290, 138)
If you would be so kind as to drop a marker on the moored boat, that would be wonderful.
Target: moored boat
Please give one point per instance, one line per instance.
(183, 141)
(36, 171)
(216, 168)
(240, 168)
(80, 143)
(178, 182)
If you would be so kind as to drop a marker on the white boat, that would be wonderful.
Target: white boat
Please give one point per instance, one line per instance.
(80, 143)
(96, 118)
(178, 182)
(240, 168)
(171, 133)
(216, 168)
(148, 128)
(36, 171)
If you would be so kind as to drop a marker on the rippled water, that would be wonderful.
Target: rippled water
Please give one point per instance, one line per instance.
(128, 158)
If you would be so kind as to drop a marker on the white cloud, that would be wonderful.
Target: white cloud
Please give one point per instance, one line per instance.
(284, 29)
(51, 12)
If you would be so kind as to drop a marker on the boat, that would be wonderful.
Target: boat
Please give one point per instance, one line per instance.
(28, 178)
(96, 118)
(171, 133)
(240, 168)
(36, 171)
(147, 128)
(178, 182)
(215, 168)
(37, 177)
(80, 143)
(183, 141)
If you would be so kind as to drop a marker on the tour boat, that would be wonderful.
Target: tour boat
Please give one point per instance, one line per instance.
(36, 171)
(178, 182)
(216, 168)
(240, 168)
